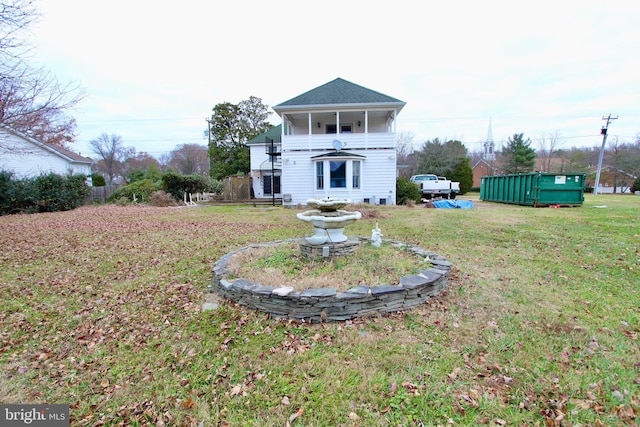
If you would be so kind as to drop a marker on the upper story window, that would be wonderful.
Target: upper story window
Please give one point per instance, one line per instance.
(344, 128)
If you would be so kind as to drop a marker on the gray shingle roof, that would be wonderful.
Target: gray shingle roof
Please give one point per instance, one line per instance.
(59, 151)
(340, 91)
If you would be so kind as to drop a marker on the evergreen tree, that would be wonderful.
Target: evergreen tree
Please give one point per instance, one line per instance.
(518, 155)
(463, 173)
(440, 158)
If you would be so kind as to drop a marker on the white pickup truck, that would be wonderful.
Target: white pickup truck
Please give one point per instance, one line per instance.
(436, 186)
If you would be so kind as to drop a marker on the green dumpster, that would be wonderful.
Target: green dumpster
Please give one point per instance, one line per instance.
(534, 189)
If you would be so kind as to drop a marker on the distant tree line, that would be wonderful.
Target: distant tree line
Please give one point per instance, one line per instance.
(443, 158)
(517, 155)
(118, 163)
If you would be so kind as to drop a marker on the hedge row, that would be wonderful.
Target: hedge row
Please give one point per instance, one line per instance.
(44, 193)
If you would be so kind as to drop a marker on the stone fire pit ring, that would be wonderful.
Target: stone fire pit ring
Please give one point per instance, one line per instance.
(327, 304)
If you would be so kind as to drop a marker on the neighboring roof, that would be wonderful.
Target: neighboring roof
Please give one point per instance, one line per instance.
(614, 169)
(68, 155)
(339, 92)
(274, 133)
(484, 162)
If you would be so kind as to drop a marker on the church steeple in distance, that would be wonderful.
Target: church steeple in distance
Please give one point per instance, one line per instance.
(489, 146)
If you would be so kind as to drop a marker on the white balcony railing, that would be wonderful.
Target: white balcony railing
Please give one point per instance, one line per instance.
(349, 141)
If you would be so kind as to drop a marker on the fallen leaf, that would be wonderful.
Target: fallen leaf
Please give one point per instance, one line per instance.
(285, 401)
(235, 390)
(188, 404)
(454, 373)
(296, 414)
(393, 387)
(353, 416)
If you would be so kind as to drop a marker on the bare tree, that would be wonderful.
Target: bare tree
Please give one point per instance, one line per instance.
(190, 159)
(163, 161)
(138, 164)
(111, 155)
(406, 159)
(32, 100)
(549, 144)
(15, 18)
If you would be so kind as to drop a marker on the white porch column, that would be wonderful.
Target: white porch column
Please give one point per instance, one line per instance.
(366, 129)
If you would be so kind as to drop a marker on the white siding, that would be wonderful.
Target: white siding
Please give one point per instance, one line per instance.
(25, 159)
(261, 166)
(378, 178)
(298, 177)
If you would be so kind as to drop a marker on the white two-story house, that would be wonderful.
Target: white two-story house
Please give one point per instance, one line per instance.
(337, 140)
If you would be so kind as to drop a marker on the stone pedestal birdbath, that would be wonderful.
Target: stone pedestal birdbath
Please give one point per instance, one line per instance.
(328, 220)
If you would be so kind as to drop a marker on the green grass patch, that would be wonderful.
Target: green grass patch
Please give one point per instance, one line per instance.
(538, 326)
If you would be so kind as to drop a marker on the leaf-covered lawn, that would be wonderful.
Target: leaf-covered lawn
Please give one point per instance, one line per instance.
(539, 325)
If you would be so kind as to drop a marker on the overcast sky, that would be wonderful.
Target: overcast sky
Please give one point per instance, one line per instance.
(153, 70)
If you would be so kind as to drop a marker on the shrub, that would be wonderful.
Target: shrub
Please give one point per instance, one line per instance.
(98, 180)
(407, 190)
(215, 186)
(463, 173)
(13, 194)
(176, 184)
(636, 186)
(141, 189)
(55, 192)
(45, 193)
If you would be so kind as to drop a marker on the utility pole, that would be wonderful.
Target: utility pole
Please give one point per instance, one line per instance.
(604, 141)
(208, 130)
(209, 139)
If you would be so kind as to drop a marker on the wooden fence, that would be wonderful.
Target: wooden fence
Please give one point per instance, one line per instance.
(102, 194)
(237, 188)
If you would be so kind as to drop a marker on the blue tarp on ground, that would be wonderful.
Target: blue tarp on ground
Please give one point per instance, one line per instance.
(453, 204)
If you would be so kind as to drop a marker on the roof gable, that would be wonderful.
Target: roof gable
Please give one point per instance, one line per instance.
(67, 155)
(337, 92)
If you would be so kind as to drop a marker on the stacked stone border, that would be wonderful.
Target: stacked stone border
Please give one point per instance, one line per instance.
(326, 304)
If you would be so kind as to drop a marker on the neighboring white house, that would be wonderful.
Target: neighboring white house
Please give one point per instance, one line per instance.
(266, 170)
(337, 140)
(28, 157)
